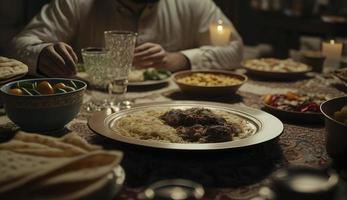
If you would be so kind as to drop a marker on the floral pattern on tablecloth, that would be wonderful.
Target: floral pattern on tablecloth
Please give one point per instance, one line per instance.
(230, 175)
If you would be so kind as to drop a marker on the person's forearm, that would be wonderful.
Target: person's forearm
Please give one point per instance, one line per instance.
(27, 50)
(43, 31)
(216, 57)
(178, 62)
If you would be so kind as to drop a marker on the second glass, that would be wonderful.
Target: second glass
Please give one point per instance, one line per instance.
(96, 61)
(121, 45)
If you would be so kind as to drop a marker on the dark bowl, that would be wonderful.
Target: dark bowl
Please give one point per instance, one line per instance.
(336, 132)
(209, 91)
(43, 113)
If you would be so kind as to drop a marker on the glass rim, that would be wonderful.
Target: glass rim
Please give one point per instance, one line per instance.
(94, 50)
(118, 32)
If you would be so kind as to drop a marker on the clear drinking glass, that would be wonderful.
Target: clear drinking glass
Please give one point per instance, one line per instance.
(121, 46)
(96, 61)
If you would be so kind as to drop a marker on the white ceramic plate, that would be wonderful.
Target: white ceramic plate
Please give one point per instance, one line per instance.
(84, 76)
(266, 126)
(148, 83)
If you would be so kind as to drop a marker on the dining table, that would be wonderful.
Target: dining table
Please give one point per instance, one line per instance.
(235, 173)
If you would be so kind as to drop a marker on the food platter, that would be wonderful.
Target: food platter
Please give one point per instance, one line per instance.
(265, 126)
(295, 107)
(277, 74)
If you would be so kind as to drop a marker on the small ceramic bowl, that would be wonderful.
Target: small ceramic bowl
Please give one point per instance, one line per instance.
(209, 91)
(336, 132)
(43, 113)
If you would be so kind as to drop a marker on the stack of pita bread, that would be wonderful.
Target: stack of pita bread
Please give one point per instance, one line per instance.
(34, 166)
(10, 68)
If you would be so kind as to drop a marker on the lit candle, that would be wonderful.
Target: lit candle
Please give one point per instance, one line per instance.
(220, 33)
(332, 49)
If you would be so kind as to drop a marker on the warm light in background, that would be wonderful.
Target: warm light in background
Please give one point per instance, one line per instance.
(332, 49)
(220, 33)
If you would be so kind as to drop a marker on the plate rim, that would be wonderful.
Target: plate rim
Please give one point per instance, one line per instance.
(149, 82)
(97, 124)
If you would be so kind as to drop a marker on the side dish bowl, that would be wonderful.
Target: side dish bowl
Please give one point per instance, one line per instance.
(43, 113)
(213, 90)
(336, 131)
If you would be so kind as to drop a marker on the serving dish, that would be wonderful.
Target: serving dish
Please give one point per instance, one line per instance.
(265, 126)
(336, 131)
(43, 113)
(294, 116)
(213, 90)
(271, 73)
(303, 108)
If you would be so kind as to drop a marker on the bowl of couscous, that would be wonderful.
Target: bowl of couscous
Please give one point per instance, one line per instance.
(209, 82)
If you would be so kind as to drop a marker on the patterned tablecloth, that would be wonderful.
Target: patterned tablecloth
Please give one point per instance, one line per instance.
(227, 174)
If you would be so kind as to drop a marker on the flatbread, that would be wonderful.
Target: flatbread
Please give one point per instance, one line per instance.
(10, 68)
(37, 164)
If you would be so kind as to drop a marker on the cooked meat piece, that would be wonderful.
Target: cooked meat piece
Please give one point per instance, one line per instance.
(191, 116)
(202, 116)
(192, 133)
(217, 134)
(173, 117)
(199, 125)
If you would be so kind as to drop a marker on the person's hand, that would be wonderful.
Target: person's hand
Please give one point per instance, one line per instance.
(154, 55)
(57, 60)
(149, 55)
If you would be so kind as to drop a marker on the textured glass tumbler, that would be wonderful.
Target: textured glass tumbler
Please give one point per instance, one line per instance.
(96, 61)
(121, 45)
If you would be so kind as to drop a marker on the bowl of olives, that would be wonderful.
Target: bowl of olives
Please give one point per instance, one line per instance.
(43, 105)
(335, 112)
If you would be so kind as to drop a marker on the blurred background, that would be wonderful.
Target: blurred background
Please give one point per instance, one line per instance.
(268, 27)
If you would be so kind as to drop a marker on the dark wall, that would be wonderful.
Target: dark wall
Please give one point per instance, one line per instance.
(14, 15)
(283, 28)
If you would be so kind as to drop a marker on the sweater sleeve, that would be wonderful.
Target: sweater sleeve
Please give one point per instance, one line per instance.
(56, 22)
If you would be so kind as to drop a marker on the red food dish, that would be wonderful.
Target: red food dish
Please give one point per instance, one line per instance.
(295, 107)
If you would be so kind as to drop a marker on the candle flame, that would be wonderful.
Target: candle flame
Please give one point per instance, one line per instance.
(332, 42)
(219, 28)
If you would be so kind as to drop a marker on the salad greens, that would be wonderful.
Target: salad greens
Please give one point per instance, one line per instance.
(156, 74)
